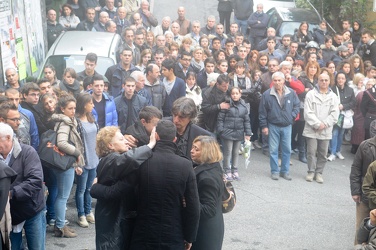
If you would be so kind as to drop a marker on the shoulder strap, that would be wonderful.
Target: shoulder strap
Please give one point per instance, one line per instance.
(371, 97)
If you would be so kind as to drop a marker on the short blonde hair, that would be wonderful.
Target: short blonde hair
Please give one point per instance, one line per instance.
(104, 137)
(210, 150)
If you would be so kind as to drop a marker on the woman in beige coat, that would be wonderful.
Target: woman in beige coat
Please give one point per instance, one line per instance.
(69, 142)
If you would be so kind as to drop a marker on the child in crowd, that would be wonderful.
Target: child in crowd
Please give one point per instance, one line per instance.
(233, 126)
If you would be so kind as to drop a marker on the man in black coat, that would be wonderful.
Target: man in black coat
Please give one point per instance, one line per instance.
(369, 47)
(168, 208)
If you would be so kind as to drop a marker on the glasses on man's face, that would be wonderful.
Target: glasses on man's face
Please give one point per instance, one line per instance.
(14, 119)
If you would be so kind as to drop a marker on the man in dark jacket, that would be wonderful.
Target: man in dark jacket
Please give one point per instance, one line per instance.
(138, 134)
(26, 192)
(184, 65)
(242, 11)
(258, 22)
(184, 112)
(214, 100)
(168, 208)
(370, 47)
(278, 109)
(129, 105)
(88, 23)
(364, 156)
(54, 29)
(117, 73)
(367, 234)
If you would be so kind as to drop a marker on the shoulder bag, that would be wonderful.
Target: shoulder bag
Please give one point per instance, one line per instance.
(50, 155)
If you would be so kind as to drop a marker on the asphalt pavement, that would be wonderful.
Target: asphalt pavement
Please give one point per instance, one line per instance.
(276, 215)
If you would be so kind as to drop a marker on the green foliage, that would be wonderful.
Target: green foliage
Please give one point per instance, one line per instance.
(334, 11)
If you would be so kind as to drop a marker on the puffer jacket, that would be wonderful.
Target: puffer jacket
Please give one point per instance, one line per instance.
(157, 92)
(364, 156)
(111, 118)
(319, 109)
(233, 123)
(66, 129)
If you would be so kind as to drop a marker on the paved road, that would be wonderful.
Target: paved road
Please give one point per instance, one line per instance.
(272, 214)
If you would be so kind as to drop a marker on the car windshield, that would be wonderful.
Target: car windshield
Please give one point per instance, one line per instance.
(76, 62)
(290, 27)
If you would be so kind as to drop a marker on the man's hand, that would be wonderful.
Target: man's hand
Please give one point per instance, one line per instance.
(224, 105)
(322, 126)
(187, 245)
(147, 13)
(131, 141)
(372, 216)
(265, 131)
(356, 198)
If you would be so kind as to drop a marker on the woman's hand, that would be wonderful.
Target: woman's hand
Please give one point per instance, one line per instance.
(152, 140)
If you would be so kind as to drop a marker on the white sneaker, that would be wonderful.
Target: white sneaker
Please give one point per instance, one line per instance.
(340, 156)
(331, 157)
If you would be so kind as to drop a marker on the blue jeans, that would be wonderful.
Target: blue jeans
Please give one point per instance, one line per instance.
(35, 232)
(51, 183)
(64, 187)
(279, 136)
(243, 25)
(336, 141)
(230, 154)
(83, 198)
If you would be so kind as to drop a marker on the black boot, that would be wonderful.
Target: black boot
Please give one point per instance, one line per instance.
(303, 157)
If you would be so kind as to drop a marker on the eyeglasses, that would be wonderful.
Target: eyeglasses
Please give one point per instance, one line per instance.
(13, 119)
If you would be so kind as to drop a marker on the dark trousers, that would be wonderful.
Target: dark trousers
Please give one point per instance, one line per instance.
(224, 18)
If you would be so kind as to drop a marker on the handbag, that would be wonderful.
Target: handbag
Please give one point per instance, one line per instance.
(228, 197)
(50, 155)
(348, 121)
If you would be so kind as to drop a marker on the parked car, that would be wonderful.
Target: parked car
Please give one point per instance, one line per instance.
(71, 47)
(287, 20)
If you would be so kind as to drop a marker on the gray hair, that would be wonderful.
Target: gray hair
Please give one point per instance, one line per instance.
(278, 74)
(184, 107)
(6, 130)
(285, 64)
(136, 74)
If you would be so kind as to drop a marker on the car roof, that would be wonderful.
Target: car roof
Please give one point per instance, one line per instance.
(297, 15)
(76, 43)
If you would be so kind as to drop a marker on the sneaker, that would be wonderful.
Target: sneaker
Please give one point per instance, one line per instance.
(286, 176)
(319, 178)
(235, 176)
(331, 158)
(340, 156)
(256, 144)
(310, 176)
(229, 177)
(90, 218)
(82, 222)
(51, 222)
(275, 176)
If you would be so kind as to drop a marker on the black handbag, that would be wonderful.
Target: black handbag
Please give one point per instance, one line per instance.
(50, 155)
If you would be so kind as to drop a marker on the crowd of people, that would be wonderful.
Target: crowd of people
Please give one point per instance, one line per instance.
(183, 88)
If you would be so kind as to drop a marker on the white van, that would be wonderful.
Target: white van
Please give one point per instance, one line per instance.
(71, 47)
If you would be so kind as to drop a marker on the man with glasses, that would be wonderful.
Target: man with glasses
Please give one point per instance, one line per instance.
(184, 65)
(266, 78)
(320, 114)
(28, 126)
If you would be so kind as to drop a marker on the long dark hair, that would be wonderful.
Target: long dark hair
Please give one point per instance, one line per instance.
(82, 100)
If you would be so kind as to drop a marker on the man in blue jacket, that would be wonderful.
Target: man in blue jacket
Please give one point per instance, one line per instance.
(278, 109)
(104, 110)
